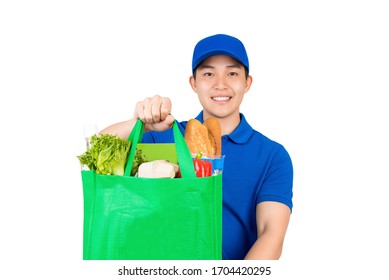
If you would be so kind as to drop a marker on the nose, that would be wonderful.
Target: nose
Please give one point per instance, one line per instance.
(220, 83)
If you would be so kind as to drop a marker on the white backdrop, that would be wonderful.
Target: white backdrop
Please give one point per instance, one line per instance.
(320, 72)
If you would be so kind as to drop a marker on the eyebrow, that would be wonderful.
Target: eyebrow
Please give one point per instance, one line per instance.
(207, 66)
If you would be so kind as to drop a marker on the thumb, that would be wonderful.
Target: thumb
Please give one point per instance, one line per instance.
(162, 125)
(169, 121)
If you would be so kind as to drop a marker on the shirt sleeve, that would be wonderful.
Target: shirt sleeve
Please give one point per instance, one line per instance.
(278, 183)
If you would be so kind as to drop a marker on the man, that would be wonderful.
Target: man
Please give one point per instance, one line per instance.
(258, 172)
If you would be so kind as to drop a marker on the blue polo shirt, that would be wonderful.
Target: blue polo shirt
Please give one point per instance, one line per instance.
(256, 169)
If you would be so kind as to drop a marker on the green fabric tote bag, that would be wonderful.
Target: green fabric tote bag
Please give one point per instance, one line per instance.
(131, 218)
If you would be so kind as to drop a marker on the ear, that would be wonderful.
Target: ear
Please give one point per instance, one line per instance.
(192, 82)
(249, 81)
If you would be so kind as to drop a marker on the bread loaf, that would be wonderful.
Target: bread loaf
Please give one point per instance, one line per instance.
(203, 138)
(214, 134)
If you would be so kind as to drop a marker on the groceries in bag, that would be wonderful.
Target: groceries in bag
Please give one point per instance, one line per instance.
(204, 143)
(107, 154)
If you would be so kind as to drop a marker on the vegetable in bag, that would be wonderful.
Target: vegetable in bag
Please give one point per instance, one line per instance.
(107, 154)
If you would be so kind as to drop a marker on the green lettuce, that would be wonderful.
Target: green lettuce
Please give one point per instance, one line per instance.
(107, 154)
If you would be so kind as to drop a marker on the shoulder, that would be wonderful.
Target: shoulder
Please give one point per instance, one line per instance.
(271, 145)
(266, 149)
(244, 133)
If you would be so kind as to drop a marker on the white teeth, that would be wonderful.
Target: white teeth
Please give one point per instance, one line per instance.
(221, 98)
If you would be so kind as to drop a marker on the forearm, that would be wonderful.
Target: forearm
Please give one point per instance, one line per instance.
(272, 223)
(122, 129)
(267, 247)
(154, 112)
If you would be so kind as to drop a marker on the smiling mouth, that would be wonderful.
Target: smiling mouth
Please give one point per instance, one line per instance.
(221, 98)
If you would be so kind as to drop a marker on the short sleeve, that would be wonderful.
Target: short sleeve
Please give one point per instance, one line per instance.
(278, 183)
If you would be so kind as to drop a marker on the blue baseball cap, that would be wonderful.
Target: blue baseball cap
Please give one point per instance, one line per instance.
(219, 44)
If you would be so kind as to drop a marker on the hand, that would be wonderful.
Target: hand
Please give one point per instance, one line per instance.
(154, 112)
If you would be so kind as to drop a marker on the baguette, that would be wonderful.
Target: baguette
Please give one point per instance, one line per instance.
(214, 134)
(203, 138)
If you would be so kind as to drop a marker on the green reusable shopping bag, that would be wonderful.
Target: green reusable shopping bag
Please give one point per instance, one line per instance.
(131, 218)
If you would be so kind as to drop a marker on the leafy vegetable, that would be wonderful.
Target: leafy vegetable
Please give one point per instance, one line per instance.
(107, 155)
(139, 158)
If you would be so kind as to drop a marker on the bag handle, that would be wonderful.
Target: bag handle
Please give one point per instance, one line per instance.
(184, 157)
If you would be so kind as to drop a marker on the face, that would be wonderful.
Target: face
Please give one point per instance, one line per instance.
(220, 85)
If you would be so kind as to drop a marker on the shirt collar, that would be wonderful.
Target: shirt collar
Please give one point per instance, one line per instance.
(242, 132)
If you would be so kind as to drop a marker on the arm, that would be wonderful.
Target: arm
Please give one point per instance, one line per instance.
(122, 129)
(272, 223)
(153, 111)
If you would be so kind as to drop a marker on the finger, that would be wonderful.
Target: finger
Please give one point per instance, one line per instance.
(139, 111)
(156, 110)
(166, 108)
(147, 110)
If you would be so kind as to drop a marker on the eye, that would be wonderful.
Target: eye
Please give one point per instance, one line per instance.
(232, 74)
(208, 74)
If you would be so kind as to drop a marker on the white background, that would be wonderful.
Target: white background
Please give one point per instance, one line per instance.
(321, 84)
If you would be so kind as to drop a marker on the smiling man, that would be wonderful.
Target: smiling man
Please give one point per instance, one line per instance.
(258, 172)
